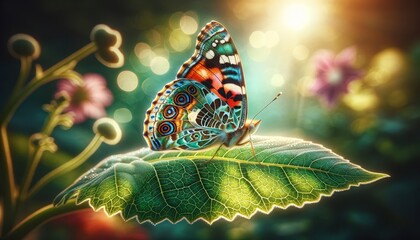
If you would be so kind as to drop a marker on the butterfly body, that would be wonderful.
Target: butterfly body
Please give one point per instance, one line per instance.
(206, 105)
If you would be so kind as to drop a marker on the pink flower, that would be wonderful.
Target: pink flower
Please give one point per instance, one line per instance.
(333, 74)
(88, 100)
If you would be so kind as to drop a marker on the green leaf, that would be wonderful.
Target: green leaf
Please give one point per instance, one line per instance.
(175, 185)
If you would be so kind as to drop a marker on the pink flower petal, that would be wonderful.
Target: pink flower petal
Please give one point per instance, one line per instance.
(78, 115)
(346, 57)
(104, 98)
(323, 60)
(94, 97)
(94, 81)
(333, 74)
(93, 110)
(66, 85)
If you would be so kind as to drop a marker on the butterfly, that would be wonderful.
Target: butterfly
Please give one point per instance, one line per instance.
(206, 105)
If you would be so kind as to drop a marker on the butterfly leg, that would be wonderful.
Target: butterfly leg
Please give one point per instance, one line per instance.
(253, 149)
(215, 153)
(242, 143)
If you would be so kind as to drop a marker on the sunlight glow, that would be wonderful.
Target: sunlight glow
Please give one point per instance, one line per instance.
(257, 39)
(277, 80)
(272, 38)
(258, 54)
(300, 52)
(297, 16)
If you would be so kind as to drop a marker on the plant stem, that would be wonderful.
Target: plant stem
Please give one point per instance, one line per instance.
(47, 76)
(25, 67)
(6, 166)
(29, 174)
(68, 166)
(35, 154)
(7, 182)
(42, 215)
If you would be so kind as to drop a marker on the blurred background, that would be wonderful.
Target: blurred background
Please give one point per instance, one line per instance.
(375, 124)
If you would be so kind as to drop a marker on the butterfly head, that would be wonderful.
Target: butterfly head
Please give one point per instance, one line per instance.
(252, 125)
(241, 136)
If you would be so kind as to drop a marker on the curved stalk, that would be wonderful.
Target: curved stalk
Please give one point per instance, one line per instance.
(6, 166)
(46, 77)
(25, 68)
(35, 154)
(41, 216)
(68, 166)
(7, 181)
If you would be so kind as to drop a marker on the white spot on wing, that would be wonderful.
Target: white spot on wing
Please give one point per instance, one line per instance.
(223, 59)
(233, 87)
(238, 60)
(232, 59)
(192, 116)
(227, 37)
(210, 54)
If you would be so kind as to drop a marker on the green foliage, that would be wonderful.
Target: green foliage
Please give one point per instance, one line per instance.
(154, 186)
(14, 195)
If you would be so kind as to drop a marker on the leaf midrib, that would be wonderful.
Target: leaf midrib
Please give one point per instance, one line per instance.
(218, 158)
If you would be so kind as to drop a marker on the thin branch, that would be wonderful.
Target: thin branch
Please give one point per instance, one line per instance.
(41, 216)
(68, 166)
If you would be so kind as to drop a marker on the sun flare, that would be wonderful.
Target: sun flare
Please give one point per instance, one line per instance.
(298, 16)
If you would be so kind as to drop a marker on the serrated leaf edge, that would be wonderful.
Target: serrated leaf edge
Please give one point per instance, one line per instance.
(257, 210)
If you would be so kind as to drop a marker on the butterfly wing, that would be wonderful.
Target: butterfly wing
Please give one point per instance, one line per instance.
(186, 115)
(216, 64)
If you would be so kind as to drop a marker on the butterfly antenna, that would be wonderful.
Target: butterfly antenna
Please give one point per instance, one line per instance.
(268, 104)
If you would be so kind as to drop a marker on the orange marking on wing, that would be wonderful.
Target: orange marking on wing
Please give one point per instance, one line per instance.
(201, 74)
(232, 103)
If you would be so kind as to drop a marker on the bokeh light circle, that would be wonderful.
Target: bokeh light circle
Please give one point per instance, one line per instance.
(178, 40)
(188, 24)
(257, 39)
(123, 115)
(159, 65)
(127, 81)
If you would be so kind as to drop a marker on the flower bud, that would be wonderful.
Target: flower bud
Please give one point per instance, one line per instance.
(62, 97)
(66, 120)
(43, 142)
(109, 129)
(108, 42)
(23, 45)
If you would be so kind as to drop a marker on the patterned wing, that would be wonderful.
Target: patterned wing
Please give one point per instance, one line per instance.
(216, 64)
(186, 115)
